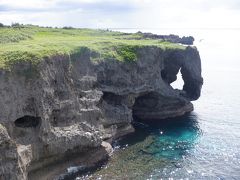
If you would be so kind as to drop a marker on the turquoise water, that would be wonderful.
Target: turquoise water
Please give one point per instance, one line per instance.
(204, 144)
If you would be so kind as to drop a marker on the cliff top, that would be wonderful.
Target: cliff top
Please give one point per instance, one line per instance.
(33, 43)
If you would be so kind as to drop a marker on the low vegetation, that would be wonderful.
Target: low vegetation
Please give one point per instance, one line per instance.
(32, 43)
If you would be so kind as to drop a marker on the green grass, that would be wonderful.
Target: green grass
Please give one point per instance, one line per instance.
(31, 43)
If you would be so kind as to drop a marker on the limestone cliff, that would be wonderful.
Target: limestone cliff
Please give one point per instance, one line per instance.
(67, 106)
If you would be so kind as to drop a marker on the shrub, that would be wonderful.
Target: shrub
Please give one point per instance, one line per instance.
(127, 52)
(68, 27)
(17, 25)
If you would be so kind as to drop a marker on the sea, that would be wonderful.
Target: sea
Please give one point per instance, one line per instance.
(204, 144)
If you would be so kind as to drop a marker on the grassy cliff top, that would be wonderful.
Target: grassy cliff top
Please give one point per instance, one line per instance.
(32, 43)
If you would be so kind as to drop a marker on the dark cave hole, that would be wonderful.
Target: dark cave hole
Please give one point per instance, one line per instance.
(112, 98)
(27, 121)
(143, 104)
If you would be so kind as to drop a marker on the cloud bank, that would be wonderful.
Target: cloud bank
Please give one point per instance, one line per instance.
(123, 13)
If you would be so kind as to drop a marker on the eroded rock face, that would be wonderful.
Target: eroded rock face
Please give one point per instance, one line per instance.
(70, 106)
(10, 162)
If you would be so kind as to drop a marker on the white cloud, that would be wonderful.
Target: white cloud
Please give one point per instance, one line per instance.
(123, 13)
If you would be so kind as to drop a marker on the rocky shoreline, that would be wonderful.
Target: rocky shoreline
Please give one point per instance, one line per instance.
(187, 40)
(72, 106)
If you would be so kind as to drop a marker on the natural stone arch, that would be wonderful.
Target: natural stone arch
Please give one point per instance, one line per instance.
(190, 69)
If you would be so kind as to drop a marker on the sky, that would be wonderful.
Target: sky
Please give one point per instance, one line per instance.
(123, 13)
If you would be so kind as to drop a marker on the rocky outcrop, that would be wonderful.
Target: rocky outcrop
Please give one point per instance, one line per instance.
(68, 106)
(187, 40)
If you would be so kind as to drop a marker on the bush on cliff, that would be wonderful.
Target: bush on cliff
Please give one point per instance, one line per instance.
(128, 53)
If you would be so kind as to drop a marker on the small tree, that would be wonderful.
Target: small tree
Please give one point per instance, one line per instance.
(17, 25)
(68, 27)
(1, 25)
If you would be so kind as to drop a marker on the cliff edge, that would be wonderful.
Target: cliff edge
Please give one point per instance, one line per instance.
(67, 105)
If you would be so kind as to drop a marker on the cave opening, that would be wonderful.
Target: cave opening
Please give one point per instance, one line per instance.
(144, 105)
(27, 121)
(112, 98)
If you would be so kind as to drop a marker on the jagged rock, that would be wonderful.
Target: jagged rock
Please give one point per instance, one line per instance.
(10, 163)
(171, 38)
(71, 106)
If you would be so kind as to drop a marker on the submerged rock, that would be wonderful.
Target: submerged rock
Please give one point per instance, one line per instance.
(70, 106)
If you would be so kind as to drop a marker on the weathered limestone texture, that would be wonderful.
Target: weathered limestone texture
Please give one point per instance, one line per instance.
(69, 106)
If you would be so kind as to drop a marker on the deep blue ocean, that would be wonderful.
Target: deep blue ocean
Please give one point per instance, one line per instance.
(204, 144)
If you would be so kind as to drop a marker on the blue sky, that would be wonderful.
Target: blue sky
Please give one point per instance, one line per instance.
(123, 13)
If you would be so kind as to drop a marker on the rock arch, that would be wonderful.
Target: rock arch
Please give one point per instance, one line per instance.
(190, 68)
